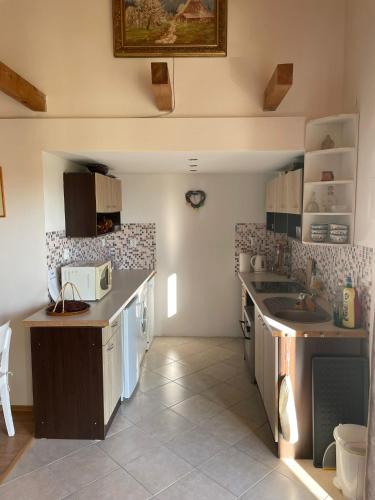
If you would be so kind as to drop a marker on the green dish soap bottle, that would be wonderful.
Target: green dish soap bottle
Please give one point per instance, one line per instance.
(338, 304)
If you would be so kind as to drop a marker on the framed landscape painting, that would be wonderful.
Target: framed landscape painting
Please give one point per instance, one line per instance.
(174, 28)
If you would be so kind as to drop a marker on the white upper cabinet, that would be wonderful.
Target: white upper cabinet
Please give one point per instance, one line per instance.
(108, 194)
(284, 193)
(271, 192)
(294, 191)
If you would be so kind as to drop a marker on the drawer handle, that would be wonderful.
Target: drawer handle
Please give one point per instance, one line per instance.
(245, 330)
(109, 348)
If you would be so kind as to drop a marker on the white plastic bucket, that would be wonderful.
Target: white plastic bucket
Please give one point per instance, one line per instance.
(351, 442)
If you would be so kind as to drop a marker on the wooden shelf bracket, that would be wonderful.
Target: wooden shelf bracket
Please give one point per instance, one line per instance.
(13, 85)
(278, 86)
(161, 86)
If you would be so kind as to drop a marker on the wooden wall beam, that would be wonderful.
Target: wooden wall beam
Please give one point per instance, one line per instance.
(161, 86)
(278, 86)
(21, 90)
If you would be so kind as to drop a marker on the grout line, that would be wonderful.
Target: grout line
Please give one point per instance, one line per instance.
(95, 443)
(174, 482)
(71, 494)
(256, 483)
(122, 467)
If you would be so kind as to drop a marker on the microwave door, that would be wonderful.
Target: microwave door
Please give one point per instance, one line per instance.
(105, 279)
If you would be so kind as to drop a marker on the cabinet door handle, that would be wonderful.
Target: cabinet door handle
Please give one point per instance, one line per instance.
(109, 348)
(245, 330)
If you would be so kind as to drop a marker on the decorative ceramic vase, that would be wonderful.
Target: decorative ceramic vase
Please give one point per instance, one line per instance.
(312, 205)
(327, 175)
(328, 142)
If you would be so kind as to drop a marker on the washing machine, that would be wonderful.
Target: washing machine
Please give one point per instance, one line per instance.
(150, 312)
(138, 332)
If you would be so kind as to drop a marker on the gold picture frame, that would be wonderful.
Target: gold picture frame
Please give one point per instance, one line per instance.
(2, 196)
(170, 28)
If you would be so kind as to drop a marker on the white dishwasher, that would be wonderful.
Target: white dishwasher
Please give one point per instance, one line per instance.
(133, 346)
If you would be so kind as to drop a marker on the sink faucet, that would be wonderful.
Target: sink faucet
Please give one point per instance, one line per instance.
(299, 275)
(306, 301)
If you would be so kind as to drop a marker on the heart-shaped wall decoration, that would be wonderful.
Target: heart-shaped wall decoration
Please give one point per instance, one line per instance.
(195, 198)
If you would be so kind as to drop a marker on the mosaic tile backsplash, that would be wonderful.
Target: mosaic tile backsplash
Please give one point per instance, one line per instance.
(133, 247)
(264, 241)
(333, 262)
(336, 262)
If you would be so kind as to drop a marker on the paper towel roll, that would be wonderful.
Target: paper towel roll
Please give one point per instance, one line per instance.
(245, 266)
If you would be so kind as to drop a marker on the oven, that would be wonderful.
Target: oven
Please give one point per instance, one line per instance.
(247, 328)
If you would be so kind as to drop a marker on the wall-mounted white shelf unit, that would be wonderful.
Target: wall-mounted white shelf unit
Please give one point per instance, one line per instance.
(329, 183)
(335, 199)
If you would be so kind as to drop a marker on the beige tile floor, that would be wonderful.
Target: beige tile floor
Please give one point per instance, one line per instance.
(194, 429)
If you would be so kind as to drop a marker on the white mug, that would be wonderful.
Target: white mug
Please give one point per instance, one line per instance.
(258, 263)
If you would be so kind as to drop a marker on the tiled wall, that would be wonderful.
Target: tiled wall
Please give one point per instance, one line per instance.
(333, 262)
(336, 262)
(264, 241)
(133, 247)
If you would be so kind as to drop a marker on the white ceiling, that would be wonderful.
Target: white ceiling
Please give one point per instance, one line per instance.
(209, 162)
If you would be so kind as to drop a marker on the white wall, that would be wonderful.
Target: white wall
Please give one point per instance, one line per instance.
(197, 245)
(360, 96)
(53, 189)
(65, 48)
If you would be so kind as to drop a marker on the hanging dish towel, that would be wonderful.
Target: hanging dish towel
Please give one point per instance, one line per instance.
(287, 411)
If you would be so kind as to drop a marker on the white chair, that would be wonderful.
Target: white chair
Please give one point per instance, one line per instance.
(5, 335)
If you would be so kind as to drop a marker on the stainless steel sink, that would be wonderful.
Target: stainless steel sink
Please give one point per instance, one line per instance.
(285, 308)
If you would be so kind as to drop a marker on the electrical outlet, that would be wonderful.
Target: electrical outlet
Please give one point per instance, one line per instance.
(133, 242)
(251, 241)
(66, 254)
(103, 242)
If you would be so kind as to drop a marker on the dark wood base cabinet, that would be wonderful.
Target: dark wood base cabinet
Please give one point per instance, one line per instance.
(68, 383)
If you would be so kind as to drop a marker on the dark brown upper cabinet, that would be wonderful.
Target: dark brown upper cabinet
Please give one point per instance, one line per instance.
(93, 203)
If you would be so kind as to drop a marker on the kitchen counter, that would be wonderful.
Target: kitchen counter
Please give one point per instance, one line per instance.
(284, 328)
(103, 312)
(77, 363)
(282, 347)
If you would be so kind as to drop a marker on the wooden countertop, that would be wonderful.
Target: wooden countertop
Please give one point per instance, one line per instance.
(102, 313)
(283, 328)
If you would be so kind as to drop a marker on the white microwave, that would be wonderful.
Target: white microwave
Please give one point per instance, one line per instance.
(92, 279)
